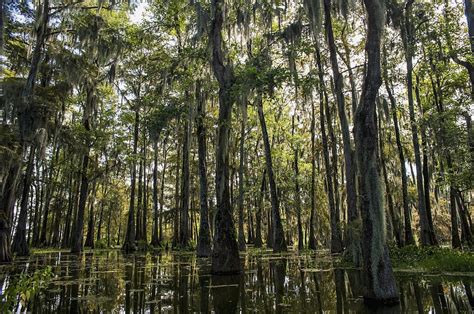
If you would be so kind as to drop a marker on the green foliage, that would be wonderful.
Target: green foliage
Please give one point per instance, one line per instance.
(22, 289)
(101, 244)
(432, 259)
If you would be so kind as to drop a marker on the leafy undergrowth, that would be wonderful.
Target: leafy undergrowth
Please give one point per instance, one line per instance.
(22, 289)
(432, 259)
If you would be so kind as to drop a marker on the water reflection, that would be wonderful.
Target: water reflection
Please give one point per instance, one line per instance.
(181, 283)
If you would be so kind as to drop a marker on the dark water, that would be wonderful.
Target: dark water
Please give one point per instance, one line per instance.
(180, 283)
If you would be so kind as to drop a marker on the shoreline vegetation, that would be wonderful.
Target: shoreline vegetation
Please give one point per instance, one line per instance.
(433, 260)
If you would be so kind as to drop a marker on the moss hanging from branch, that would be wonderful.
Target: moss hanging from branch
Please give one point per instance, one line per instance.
(314, 9)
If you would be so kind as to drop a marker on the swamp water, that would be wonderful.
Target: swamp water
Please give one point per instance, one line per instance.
(176, 282)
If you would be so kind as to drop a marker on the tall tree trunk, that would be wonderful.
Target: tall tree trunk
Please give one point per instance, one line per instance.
(78, 232)
(129, 242)
(394, 218)
(426, 232)
(102, 205)
(336, 241)
(225, 255)
(26, 120)
(7, 203)
(72, 204)
(162, 191)
(49, 195)
(90, 225)
(56, 227)
(469, 12)
(426, 173)
(20, 245)
(176, 198)
(204, 238)
(185, 178)
(138, 221)
(409, 239)
(346, 139)
(145, 192)
(466, 222)
(155, 239)
(312, 215)
(241, 236)
(455, 240)
(279, 243)
(380, 286)
(335, 214)
(297, 189)
(38, 203)
(258, 217)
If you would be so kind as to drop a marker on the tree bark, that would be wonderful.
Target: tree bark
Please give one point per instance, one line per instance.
(258, 217)
(204, 238)
(279, 243)
(7, 203)
(185, 177)
(241, 235)
(469, 12)
(380, 286)
(138, 221)
(176, 198)
(129, 242)
(78, 232)
(455, 240)
(20, 245)
(394, 215)
(145, 192)
(409, 239)
(336, 242)
(312, 215)
(225, 255)
(155, 236)
(346, 139)
(426, 232)
(162, 191)
(90, 225)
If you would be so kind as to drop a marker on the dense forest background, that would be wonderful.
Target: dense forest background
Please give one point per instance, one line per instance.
(218, 125)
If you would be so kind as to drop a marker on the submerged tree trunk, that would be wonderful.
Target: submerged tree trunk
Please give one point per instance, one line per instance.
(185, 177)
(380, 286)
(176, 198)
(312, 215)
(279, 243)
(225, 255)
(20, 245)
(102, 205)
(346, 139)
(298, 204)
(129, 242)
(204, 238)
(78, 231)
(162, 191)
(297, 190)
(7, 202)
(138, 221)
(455, 240)
(258, 217)
(241, 236)
(90, 225)
(155, 237)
